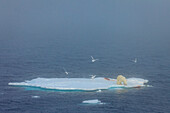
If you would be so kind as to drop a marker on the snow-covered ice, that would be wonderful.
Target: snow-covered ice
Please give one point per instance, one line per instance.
(85, 84)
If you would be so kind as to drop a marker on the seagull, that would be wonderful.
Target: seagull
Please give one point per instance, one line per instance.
(93, 76)
(65, 71)
(135, 60)
(93, 60)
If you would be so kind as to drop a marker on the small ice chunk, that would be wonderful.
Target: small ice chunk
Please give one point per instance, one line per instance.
(149, 86)
(35, 96)
(94, 101)
(99, 90)
(145, 81)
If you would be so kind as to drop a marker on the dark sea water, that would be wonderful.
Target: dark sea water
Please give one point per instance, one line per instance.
(30, 58)
(38, 39)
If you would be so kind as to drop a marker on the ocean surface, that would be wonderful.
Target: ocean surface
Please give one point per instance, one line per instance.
(40, 38)
(32, 57)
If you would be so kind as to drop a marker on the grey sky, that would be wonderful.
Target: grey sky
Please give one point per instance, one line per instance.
(85, 16)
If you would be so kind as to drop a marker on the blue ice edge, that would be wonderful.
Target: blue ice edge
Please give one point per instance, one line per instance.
(92, 104)
(71, 90)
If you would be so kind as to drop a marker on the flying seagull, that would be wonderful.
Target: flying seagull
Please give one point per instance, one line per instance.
(93, 60)
(65, 71)
(135, 60)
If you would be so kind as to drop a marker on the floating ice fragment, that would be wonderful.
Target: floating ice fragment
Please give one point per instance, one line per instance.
(94, 101)
(99, 90)
(35, 96)
(149, 86)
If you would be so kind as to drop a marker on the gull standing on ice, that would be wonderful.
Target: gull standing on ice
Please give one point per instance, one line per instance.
(135, 60)
(93, 76)
(93, 60)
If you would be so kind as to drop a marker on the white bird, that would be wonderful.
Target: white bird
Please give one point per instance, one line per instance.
(93, 60)
(93, 76)
(135, 60)
(65, 71)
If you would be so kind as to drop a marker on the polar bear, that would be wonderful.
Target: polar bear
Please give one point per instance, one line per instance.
(121, 79)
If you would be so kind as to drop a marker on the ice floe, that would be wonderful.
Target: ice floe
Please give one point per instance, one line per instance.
(85, 84)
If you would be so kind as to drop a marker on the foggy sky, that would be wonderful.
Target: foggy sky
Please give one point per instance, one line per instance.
(82, 17)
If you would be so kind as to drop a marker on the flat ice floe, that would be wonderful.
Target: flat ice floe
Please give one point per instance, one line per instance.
(94, 101)
(85, 84)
